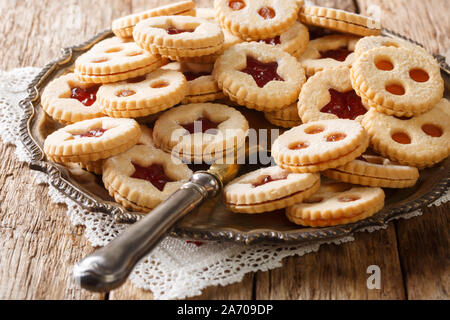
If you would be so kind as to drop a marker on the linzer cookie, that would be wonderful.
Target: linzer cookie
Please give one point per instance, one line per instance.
(256, 19)
(398, 81)
(269, 189)
(92, 140)
(328, 52)
(340, 20)
(203, 131)
(179, 36)
(286, 117)
(67, 100)
(141, 178)
(123, 27)
(254, 74)
(372, 42)
(229, 41)
(114, 60)
(294, 41)
(142, 96)
(420, 141)
(335, 204)
(201, 84)
(375, 171)
(329, 95)
(320, 145)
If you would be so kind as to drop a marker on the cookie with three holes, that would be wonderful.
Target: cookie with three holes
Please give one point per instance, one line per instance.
(114, 60)
(419, 141)
(398, 81)
(320, 145)
(337, 203)
(269, 189)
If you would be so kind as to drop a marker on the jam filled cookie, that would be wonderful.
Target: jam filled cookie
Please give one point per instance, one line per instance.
(229, 41)
(67, 100)
(320, 145)
(420, 141)
(256, 19)
(179, 36)
(203, 131)
(375, 171)
(328, 52)
(142, 96)
(335, 204)
(92, 140)
(294, 41)
(340, 20)
(269, 189)
(255, 74)
(286, 117)
(201, 84)
(368, 43)
(398, 81)
(329, 95)
(123, 27)
(113, 60)
(143, 177)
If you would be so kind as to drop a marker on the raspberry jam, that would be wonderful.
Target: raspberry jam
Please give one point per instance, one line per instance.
(173, 30)
(94, 133)
(201, 125)
(268, 179)
(86, 96)
(267, 13)
(345, 105)
(262, 72)
(272, 41)
(339, 54)
(154, 174)
(196, 243)
(190, 75)
(137, 79)
(236, 5)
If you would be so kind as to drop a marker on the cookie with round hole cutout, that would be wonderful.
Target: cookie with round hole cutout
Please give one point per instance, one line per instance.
(419, 141)
(337, 203)
(398, 81)
(320, 145)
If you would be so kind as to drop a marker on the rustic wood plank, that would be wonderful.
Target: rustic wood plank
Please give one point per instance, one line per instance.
(40, 245)
(427, 22)
(423, 241)
(424, 254)
(337, 271)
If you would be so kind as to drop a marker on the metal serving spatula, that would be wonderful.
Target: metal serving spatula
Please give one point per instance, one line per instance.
(109, 267)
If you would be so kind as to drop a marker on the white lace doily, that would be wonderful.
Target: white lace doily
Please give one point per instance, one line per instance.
(175, 269)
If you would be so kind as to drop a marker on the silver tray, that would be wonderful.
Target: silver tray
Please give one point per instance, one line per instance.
(211, 222)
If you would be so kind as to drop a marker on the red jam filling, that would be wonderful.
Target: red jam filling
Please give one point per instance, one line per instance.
(236, 5)
(137, 79)
(154, 174)
(86, 96)
(345, 105)
(267, 13)
(196, 243)
(94, 133)
(339, 54)
(268, 179)
(272, 41)
(201, 125)
(173, 30)
(190, 75)
(262, 72)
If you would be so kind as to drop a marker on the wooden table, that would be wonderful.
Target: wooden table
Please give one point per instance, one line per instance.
(39, 246)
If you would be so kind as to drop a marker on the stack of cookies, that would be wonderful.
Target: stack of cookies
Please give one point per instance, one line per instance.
(325, 76)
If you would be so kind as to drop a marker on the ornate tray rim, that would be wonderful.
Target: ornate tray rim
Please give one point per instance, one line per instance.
(57, 180)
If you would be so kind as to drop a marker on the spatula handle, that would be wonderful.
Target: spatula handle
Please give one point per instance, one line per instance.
(109, 267)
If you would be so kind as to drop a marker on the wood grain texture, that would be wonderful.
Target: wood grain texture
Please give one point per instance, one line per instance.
(40, 246)
(423, 242)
